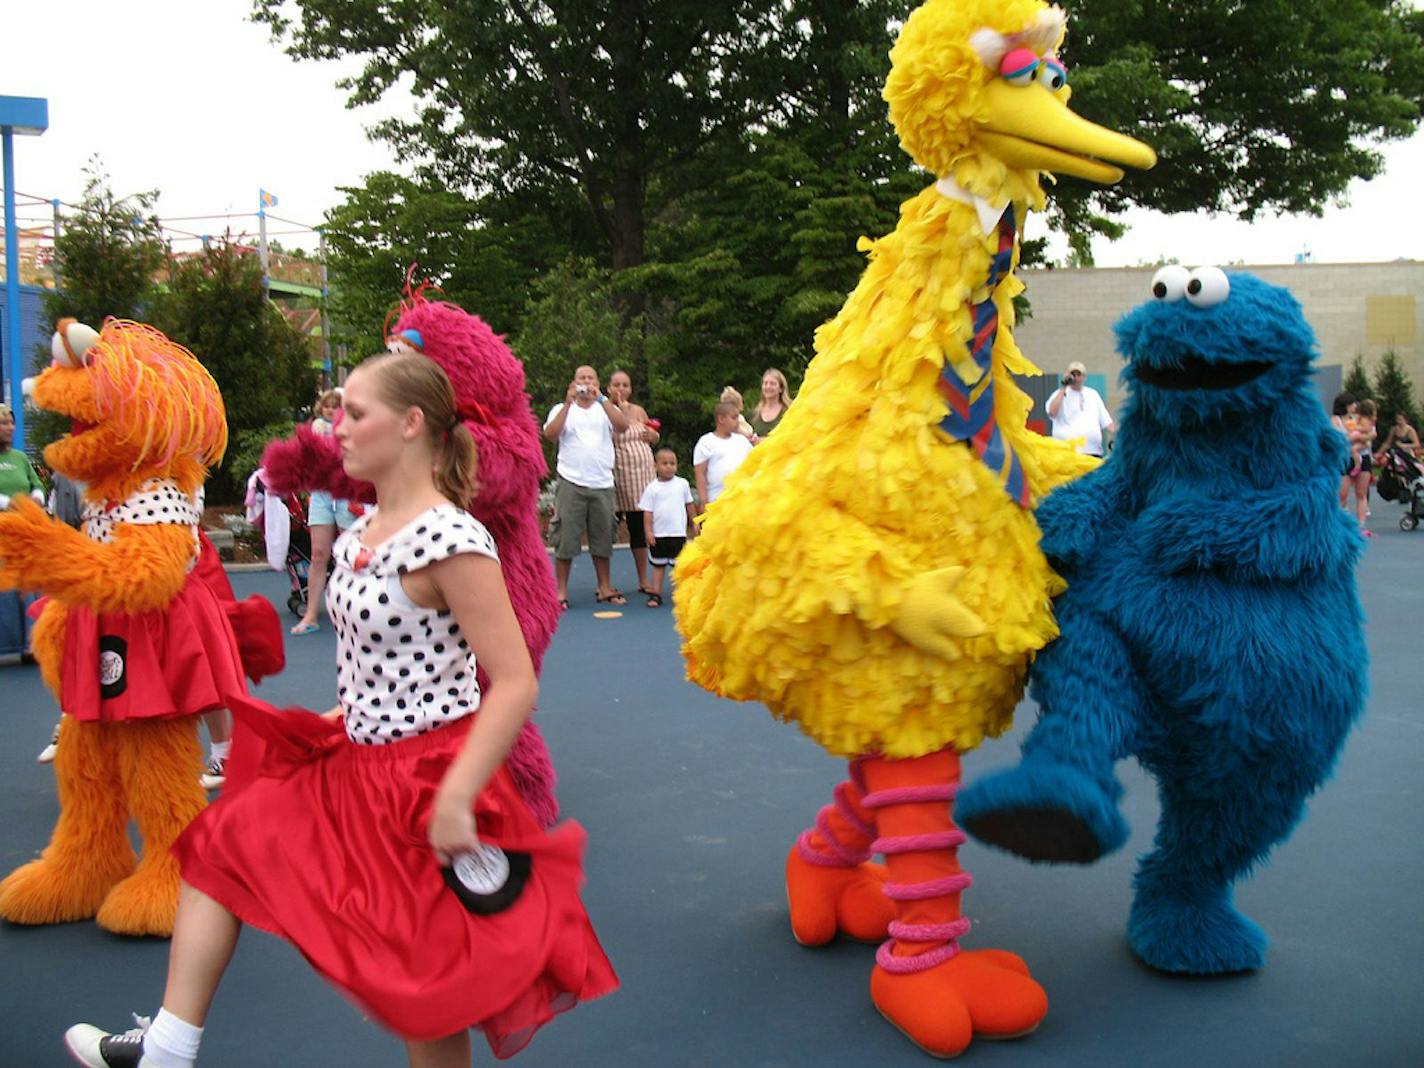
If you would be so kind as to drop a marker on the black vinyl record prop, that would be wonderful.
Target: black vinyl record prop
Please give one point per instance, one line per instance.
(488, 879)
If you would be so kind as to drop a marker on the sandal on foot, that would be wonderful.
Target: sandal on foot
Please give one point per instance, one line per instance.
(655, 600)
(305, 628)
(615, 597)
(563, 602)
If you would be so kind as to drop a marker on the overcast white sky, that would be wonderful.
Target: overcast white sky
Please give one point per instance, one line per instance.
(193, 99)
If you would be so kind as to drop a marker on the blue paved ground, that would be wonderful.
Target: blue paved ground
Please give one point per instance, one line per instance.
(691, 803)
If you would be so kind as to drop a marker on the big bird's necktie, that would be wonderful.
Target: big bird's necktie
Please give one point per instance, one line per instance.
(971, 416)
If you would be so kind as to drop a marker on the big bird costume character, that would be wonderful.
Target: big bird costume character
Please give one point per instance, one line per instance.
(133, 640)
(1211, 625)
(488, 380)
(872, 572)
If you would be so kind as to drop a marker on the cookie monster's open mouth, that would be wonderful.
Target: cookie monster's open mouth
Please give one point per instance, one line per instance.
(1195, 373)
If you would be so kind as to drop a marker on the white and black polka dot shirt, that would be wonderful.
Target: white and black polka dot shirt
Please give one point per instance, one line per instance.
(402, 670)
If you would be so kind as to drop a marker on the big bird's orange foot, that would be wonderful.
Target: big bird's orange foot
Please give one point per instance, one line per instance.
(828, 901)
(60, 889)
(146, 903)
(986, 993)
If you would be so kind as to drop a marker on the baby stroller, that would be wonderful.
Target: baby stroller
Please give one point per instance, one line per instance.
(291, 544)
(1401, 479)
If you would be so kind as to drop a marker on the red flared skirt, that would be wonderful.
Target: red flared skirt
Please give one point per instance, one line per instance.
(175, 661)
(325, 846)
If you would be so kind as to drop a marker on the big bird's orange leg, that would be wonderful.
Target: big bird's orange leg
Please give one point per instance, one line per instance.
(89, 851)
(831, 886)
(939, 996)
(159, 761)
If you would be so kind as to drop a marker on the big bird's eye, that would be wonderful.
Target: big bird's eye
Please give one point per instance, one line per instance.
(1170, 283)
(1017, 67)
(1207, 286)
(1052, 75)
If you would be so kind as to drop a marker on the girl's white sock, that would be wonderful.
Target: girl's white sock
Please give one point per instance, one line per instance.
(220, 750)
(171, 1042)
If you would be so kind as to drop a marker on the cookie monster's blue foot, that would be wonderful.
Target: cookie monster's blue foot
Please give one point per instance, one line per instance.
(1202, 936)
(1044, 810)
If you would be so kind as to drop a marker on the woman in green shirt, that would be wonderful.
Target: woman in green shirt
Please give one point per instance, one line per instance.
(775, 399)
(17, 476)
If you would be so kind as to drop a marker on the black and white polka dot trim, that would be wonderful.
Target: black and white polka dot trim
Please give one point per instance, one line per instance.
(402, 670)
(159, 500)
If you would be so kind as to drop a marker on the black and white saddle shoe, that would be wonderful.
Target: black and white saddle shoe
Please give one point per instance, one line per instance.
(99, 1049)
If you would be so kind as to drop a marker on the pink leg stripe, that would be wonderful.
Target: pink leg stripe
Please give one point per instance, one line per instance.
(834, 853)
(916, 843)
(950, 884)
(911, 795)
(922, 962)
(929, 932)
(846, 809)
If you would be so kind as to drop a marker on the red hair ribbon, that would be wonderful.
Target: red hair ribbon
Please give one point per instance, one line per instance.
(469, 411)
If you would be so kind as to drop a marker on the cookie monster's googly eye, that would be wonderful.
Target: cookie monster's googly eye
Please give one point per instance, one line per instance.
(1018, 67)
(1207, 286)
(1052, 75)
(1170, 283)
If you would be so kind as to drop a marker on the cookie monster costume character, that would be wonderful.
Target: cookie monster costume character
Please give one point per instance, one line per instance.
(872, 572)
(488, 380)
(136, 635)
(1210, 628)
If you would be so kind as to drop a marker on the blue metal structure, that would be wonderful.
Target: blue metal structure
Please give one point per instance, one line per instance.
(18, 115)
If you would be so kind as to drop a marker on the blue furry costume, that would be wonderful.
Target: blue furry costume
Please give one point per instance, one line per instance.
(1210, 628)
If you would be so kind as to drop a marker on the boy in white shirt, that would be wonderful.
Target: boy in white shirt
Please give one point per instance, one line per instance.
(668, 514)
(719, 453)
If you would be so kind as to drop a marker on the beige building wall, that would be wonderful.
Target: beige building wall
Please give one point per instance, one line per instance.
(1364, 308)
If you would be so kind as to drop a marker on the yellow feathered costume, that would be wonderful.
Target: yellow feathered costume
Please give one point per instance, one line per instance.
(865, 574)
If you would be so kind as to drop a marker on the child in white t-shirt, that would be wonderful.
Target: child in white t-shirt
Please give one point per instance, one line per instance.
(719, 453)
(668, 514)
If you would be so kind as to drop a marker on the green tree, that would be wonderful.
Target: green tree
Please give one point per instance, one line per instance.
(216, 307)
(1394, 392)
(1268, 106)
(1357, 380)
(482, 254)
(108, 252)
(532, 93)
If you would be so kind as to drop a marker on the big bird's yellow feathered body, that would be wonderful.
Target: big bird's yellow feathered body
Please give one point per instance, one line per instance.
(872, 571)
(788, 594)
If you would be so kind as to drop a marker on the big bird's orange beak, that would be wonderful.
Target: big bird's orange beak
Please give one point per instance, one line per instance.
(1031, 128)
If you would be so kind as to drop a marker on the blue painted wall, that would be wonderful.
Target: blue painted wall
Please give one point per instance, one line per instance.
(34, 331)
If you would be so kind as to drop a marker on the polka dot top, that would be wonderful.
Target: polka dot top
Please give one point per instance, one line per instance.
(159, 500)
(401, 669)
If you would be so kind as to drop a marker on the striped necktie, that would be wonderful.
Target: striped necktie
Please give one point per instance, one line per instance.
(971, 415)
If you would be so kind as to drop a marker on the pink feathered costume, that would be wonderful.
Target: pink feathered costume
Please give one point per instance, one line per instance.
(487, 377)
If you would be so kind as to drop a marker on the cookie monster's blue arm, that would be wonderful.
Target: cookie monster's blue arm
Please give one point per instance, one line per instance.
(1074, 516)
(1281, 534)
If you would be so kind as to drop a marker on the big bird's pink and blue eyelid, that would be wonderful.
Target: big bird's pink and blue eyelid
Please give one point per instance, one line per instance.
(1019, 66)
(1052, 74)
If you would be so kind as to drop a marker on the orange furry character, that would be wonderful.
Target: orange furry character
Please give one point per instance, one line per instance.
(133, 643)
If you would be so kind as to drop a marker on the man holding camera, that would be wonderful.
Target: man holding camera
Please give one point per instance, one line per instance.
(1078, 412)
(584, 426)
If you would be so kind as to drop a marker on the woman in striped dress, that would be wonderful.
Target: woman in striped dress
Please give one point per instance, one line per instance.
(633, 468)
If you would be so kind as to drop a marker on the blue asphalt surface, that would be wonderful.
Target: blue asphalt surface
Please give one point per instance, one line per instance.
(691, 804)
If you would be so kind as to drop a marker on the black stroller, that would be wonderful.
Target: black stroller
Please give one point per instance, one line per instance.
(1401, 479)
(298, 560)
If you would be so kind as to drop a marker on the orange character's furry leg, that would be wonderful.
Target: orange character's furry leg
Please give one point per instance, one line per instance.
(831, 886)
(89, 850)
(47, 644)
(159, 761)
(939, 996)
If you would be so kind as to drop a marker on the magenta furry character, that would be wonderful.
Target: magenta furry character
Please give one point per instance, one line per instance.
(489, 388)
